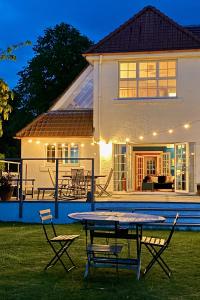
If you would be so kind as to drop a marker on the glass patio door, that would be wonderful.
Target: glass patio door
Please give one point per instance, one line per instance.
(182, 167)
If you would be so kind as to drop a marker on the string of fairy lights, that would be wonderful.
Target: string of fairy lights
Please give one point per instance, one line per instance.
(142, 137)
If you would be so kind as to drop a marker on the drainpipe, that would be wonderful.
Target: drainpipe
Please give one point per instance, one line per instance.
(99, 102)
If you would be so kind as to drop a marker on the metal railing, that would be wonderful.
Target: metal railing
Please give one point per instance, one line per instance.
(57, 163)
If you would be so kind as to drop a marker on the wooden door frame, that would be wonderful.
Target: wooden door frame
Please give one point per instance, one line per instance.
(145, 153)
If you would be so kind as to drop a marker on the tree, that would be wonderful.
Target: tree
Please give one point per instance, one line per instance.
(6, 94)
(57, 61)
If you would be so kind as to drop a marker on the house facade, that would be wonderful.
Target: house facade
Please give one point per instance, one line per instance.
(136, 109)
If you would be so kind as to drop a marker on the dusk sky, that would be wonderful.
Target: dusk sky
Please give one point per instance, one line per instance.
(23, 20)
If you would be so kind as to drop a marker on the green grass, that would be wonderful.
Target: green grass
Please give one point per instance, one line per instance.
(24, 253)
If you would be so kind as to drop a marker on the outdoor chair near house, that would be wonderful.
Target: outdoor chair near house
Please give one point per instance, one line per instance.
(103, 187)
(58, 243)
(78, 186)
(156, 247)
(61, 186)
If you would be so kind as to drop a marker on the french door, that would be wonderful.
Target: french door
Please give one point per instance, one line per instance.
(139, 171)
(182, 167)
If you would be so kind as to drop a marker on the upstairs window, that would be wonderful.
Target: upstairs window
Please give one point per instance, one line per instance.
(147, 79)
(67, 152)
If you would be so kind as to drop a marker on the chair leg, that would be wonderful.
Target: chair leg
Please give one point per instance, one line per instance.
(157, 258)
(38, 195)
(58, 254)
(56, 258)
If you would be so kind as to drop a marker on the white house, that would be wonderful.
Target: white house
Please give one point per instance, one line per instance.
(136, 109)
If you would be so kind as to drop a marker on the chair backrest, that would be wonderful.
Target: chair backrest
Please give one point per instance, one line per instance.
(51, 175)
(109, 178)
(172, 230)
(77, 176)
(47, 219)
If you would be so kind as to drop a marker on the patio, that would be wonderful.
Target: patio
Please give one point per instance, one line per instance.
(22, 275)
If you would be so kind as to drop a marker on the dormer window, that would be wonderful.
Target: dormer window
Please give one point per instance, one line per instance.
(147, 79)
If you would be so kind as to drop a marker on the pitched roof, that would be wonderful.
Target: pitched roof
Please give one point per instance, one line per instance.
(148, 30)
(69, 123)
(195, 29)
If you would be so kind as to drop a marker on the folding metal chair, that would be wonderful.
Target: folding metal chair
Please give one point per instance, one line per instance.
(151, 243)
(63, 241)
(102, 255)
(103, 187)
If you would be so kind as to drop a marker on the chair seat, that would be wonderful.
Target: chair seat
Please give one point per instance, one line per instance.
(113, 249)
(152, 241)
(62, 238)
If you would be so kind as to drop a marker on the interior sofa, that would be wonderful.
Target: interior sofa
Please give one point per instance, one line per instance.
(158, 183)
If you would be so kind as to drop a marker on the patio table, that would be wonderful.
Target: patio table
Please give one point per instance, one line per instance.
(130, 219)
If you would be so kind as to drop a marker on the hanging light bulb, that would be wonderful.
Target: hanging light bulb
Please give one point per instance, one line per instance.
(170, 131)
(141, 137)
(127, 140)
(186, 126)
(37, 142)
(155, 133)
(30, 141)
(82, 145)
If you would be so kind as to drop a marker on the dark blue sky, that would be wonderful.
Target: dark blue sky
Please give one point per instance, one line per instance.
(22, 20)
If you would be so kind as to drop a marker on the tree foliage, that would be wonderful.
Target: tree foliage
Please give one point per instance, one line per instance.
(6, 95)
(57, 61)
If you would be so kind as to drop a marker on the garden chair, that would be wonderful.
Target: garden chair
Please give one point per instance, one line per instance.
(102, 255)
(58, 243)
(52, 189)
(156, 246)
(103, 187)
(79, 184)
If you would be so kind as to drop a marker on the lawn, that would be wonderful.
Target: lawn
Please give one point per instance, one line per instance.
(24, 253)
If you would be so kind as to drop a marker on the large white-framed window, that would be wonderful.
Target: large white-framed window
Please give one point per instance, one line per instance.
(67, 152)
(147, 79)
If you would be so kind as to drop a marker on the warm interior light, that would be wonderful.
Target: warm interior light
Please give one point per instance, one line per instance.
(105, 150)
(72, 144)
(63, 145)
(82, 145)
(127, 140)
(37, 142)
(186, 126)
(141, 137)
(46, 144)
(172, 94)
(170, 130)
(92, 144)
(155, 133)
(30, 141)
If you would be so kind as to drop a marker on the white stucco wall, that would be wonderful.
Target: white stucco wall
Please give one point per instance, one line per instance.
(39, 169)
(116, 120)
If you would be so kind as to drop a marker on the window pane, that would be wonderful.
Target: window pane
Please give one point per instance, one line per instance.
(124, 66)
(66, 153)
(171, 83)
(167, 69)
(142, 70)
(74, 153)
(151, 68)
(152, 88)
(123, 74)
(131, 74)
(171, 92)
(59, 152)
(171, 72)
(51, 151)
(142, 88)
